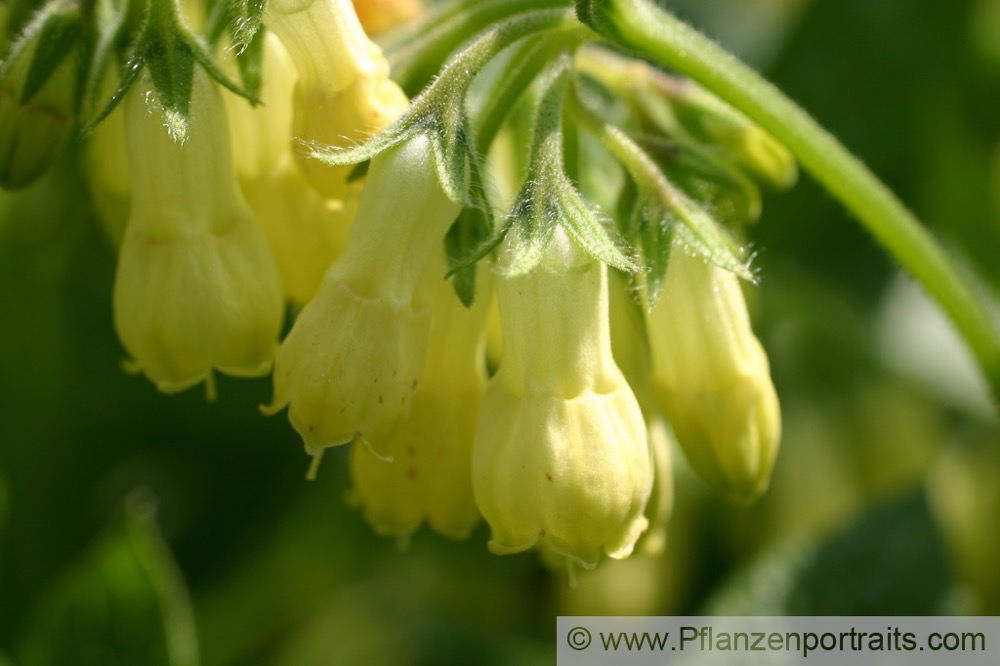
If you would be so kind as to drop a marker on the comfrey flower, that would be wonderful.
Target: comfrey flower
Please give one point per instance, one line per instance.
(343, 94)
(711, 377)
(561, 458)
(305, 230)
(196, 287)
(350, 366)
(429, 476)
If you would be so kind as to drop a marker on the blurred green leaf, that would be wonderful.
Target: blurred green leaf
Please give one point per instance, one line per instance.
(123, 602)
(889, 562)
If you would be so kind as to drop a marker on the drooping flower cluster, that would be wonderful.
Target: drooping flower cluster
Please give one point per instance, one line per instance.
(618, 336)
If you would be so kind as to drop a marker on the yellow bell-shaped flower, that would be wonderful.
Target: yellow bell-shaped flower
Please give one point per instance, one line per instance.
(196, 287)
(343, 95)
(350, 366)
(561, 458)
(305, 230)
(712, 379)
(430, 474)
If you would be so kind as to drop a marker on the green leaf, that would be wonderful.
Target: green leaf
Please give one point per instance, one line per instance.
(169, 50)
(590, 228)
(453, 151)
(697, 227)
(656, 236)
(891, 561)
(57, 36)
(359, 171)
(122, 602)
(129, 73)
(171, 67)
(420, 52)
(250, 60)
(649, 229)
(103, 29)
(468, 233)
(702, 234)
(399, 131)
(707, 177)
(249, 21)
(475, 254)
(532, 223)
(548, 197)
(201, 53)
(42, 46)
(469, 238)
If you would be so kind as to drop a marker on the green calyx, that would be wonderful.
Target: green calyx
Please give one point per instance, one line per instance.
(163, 44)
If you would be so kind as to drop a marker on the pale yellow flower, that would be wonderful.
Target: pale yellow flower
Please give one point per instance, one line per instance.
(305, 230)
(712, 379)
(196, 288)
(352, 363)
(343, 94)
(561, 458)
(430, 474)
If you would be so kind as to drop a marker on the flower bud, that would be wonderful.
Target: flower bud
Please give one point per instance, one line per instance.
(352, 362)
(196, 287)
(715, 122)
(561, 457)
(429, 476)
(343, 94)
(34, 126)
(711, 377)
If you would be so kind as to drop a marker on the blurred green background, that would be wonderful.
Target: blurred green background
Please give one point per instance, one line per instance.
(188, 528)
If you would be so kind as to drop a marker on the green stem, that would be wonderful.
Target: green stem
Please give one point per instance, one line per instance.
(529, 58)
(415, 63)
(640, 25)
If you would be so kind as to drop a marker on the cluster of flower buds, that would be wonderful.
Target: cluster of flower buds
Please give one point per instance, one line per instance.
(615, 338)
